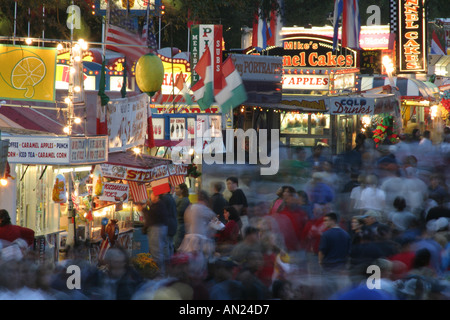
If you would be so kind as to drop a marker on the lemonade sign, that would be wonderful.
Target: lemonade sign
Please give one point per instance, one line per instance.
(27, 73)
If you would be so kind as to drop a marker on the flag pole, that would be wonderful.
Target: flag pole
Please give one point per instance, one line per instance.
(188, 39)
(15, 21)
(171, 58)
(105, 27)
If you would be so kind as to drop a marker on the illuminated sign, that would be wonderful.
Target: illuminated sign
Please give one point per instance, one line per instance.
(343, 81)
(136, 7)
(350, 105)
(134, 174)
(305, 82)
(412, 36)
(57, 150)
(316, 51)
(172, 72)
(370, 61)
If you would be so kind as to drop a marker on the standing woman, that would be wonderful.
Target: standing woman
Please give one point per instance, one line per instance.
(182, 201)
(230, 235)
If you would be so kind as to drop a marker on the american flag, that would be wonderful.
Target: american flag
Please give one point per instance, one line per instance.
(351, 23)
(121, 18)
(148, 34)
(122, 35)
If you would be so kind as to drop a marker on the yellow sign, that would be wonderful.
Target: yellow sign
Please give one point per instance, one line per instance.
(169, 81)
(27, 73)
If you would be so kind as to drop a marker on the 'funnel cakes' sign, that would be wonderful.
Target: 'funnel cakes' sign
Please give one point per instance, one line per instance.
(412, 36)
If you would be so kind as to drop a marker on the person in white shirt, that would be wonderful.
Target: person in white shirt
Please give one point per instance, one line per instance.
(372, 197)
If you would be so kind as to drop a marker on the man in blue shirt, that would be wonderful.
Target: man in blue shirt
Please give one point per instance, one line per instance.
(334, 247)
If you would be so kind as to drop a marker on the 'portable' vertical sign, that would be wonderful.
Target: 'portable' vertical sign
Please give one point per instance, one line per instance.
(412, 49)
(203, 35)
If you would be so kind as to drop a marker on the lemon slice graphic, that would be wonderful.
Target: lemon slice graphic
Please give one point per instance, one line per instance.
(27, 73)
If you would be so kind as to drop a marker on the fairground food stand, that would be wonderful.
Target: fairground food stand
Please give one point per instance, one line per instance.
(45, 168)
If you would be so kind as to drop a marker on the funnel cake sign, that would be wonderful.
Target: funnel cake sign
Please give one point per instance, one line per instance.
(316, 51)
(412, 36)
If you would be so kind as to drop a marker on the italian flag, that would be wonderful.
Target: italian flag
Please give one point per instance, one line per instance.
(160, 186)
(181, 85)
(203, 89)
(233, 91)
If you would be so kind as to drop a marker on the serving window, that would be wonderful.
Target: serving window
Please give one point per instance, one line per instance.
(305, 123)
(305, 129)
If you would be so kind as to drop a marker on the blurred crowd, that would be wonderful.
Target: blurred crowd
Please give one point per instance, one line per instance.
(370, 223)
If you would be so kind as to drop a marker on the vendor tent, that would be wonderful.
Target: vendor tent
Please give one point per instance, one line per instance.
(409, 88)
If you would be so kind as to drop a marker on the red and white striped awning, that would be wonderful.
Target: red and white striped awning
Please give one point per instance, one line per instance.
(141, 170)
(138, 191)
(176, 180)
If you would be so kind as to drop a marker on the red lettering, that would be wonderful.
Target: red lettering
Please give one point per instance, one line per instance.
(412, 35)
(340, 60)
(411, 17)
(312, 59)
(411, 25)
(331, 59)
(411, 43)
(322, 61)
(131, 174)
(349, 60)
(409, 50)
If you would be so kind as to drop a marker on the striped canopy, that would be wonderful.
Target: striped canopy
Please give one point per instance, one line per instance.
(409, 88)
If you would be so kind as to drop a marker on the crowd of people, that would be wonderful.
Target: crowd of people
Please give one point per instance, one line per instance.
(370, 223)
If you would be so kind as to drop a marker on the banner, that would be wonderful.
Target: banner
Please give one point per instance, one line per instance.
(126, 172)
(27, 73)
(127, 122)
(203, 35)
(50, 150)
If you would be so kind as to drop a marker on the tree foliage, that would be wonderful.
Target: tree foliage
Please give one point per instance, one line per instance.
(231, 14)
(48, 17)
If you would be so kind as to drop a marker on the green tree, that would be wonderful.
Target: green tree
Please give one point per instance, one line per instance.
(231, 14)
(48, 16)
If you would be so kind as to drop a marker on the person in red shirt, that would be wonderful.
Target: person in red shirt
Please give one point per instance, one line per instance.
(404, 259)
(230, 235)
(10, 232)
